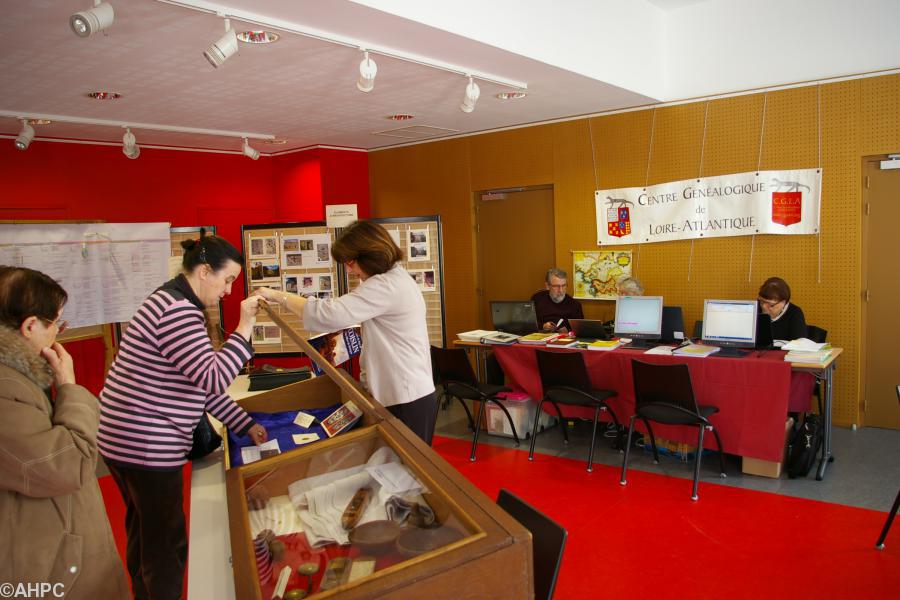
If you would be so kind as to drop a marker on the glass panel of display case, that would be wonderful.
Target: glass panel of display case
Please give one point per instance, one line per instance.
(342, 513)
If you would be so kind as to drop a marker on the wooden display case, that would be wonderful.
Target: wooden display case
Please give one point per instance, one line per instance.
(471, 549)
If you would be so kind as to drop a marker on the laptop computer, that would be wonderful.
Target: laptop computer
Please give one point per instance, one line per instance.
(516, 316)
(588, 329)
(672, 323)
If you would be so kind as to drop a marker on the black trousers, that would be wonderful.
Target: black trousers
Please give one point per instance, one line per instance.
(419, 415)
(156, 552)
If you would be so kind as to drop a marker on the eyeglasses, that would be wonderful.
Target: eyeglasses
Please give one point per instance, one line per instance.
(61, 325)
(769, 303)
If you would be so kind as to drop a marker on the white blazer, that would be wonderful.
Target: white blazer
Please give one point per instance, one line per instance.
(396, 358)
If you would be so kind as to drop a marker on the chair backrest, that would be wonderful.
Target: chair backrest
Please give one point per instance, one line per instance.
(816, 334)
(562, 369)
(548, 541)
(452, 364)
(667, 384)
(698, 329)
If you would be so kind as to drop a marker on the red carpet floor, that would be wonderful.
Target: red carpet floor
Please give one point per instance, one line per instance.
(649, 540)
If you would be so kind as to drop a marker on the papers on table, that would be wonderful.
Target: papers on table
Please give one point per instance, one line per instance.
(803, 345)
(474, 336)
(394, 478)
(662, 350)
(251, 454)
(806, 351)
(695, 350)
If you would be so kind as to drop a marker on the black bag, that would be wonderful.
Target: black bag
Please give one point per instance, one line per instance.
(269, 377)
(206, 440)
(803, 447)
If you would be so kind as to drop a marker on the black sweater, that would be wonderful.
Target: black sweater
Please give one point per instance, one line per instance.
(791, 325)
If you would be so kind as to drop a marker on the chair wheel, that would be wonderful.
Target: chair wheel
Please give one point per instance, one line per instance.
(655, 462)
(879, 547)
(695, 498)
(623, 483)
(723, 475)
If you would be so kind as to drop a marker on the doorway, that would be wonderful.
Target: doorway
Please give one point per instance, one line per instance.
(516, 244)
(881, 290)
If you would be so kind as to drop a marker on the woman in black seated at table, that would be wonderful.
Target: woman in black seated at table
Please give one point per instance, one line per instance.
(788, 323)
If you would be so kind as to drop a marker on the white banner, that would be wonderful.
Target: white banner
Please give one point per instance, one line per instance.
(781, 202)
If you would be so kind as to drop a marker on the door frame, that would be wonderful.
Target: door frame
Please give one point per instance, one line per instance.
(479, 271)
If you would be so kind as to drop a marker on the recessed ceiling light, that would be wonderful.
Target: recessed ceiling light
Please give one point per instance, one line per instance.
(39, 121)
(105, 95)
(258, 37)
(400, 117)
(511, 95)
(275, 142)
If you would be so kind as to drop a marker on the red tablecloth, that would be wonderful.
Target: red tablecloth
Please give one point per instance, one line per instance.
(751, 393)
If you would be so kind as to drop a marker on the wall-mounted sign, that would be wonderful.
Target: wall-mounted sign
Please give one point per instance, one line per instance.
(340, 215)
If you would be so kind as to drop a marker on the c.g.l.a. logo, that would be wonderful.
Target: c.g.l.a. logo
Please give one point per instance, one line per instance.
(618, 217)
(787, 207)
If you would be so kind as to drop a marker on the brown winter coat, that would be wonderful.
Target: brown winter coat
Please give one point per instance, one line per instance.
(53, 524)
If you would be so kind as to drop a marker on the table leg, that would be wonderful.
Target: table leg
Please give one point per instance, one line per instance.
(481, 363)
(827, 457)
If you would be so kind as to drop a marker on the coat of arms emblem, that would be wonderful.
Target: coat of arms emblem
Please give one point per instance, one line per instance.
(787, 206)
(618, 217)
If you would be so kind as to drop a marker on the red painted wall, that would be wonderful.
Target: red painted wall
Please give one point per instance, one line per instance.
(83, 182)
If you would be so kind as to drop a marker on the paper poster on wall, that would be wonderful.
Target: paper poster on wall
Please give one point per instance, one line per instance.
(263, 247)
(265, 271)
(314, 283)
(424, 278)
(419, 246)
(266, 333)
(340, 215)
(290, 283)
(595, 272)
(272, 285)
(395, 235)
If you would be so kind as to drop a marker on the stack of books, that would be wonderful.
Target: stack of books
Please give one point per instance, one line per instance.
(500, 338)
(695, 350)
(562, 342)
(538, 339)
(806, 351)
(604, 345)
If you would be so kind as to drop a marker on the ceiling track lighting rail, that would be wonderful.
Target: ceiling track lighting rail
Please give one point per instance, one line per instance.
(129, 143)
(333, 38)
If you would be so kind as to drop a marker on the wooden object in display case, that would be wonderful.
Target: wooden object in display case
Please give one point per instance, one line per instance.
(492, 559)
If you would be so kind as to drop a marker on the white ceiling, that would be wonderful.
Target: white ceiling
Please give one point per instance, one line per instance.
(303, 89)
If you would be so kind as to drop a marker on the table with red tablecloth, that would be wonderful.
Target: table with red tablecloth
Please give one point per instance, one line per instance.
(751, 393)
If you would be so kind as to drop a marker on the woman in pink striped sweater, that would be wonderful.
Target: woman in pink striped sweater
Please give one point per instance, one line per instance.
(165, 376)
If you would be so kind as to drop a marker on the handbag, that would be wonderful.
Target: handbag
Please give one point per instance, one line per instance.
(206, 440)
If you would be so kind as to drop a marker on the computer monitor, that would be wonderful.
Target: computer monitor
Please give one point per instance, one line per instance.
(730, 323)
(516, 317)
(588, 329)
(672, 325)
(639, 318)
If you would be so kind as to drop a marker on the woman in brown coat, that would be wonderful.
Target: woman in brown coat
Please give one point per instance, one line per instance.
(53, 526)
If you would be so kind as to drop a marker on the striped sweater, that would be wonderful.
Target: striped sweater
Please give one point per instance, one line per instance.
(166, 374)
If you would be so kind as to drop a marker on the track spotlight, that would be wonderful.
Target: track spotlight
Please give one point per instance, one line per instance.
(227, 45)
(471, 96)
(249, 151)
(25, 136)
(129, 145)
(88, 22)
(367, 71)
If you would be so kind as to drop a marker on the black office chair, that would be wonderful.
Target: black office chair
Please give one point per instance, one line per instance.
(890, 518)
(817, 335)
(663, 393)
(453, 371)
(565, 380)
(548, 541)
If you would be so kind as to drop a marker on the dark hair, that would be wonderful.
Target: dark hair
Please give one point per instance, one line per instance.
(775, 288)
(28, 293)
(370, 245)
(209, 250)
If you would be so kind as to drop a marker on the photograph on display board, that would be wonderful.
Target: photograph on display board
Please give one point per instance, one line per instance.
(424, 279)
(261, 271)
(325, 283)
(272, 285)
(292, 260)
(306, 245)
(290, 284)
(308, 283)
(290, 244)
(418, 245)
(266, 333)
(322, 253)
(324, 295)
(263, 247)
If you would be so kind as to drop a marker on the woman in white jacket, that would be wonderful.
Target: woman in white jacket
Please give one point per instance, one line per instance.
(396, 359)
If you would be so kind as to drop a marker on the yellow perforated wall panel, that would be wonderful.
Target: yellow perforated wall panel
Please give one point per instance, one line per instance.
(858, 118)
